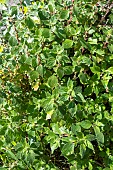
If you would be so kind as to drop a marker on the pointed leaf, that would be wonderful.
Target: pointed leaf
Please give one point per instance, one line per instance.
(40, 70)
(111, 48)
(83, 78)
(82, 150)
(79, 97)
(89, 145)
(11, 154)
(75, 128)
(95, 69)
(68, 149)
(55, 128)
(110, 70)
(99, 135)
(64, 14)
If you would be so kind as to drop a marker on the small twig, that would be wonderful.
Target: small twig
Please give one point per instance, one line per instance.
(71, 12)
(16, 32)
(107, 11)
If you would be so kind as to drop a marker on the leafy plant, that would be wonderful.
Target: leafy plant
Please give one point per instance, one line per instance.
(56, 93)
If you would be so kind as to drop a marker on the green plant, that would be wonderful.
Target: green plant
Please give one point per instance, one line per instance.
(56, 93)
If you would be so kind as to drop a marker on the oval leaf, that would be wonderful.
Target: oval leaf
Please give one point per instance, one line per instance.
(67, 43)
(52, 81)
(86, 124)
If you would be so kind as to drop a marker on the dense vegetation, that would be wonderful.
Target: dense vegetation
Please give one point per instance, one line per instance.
(56, 85)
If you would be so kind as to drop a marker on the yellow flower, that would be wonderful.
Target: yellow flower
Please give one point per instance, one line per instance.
(1, 48)
(41, 5)
(2, 1)
(36, 86)
(25, 9)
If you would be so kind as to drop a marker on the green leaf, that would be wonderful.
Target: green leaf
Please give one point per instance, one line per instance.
(110, 48)
(68, 70)
(70, 84)
(46, 32)
(34, 62)
(78, 89)
(64, 14)
(64, 97)
(75, 128)
(75, 10)
(43, 14)
(51, 8)
(83, 78)
(86, 124)
(52, 81)
(61, 33)
(1, 143)
(90, 137)
(29, 22)
(90, 167)
(82, 150)
(91, 31)
(60, 72)
(55, 128)
(51, 61)
(79, 98)
(89, 145)
(31, 156)
(106, 78)
(84, 43)
(55, 145)
(72, 109)
(100, 52)
(99, 135)
(95, 69)
(11, 154)
(69, 30)
(92, 41)
(40, 70)
(28, 61)
(73, 167)
(67, 43)
(14, 10)
(13, 41)
(86, 60)
(34, 75)
(24, 67)
(110, 70)
(68, 149)
(31, 133)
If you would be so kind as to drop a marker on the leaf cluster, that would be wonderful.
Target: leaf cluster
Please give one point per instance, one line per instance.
(56, 85)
